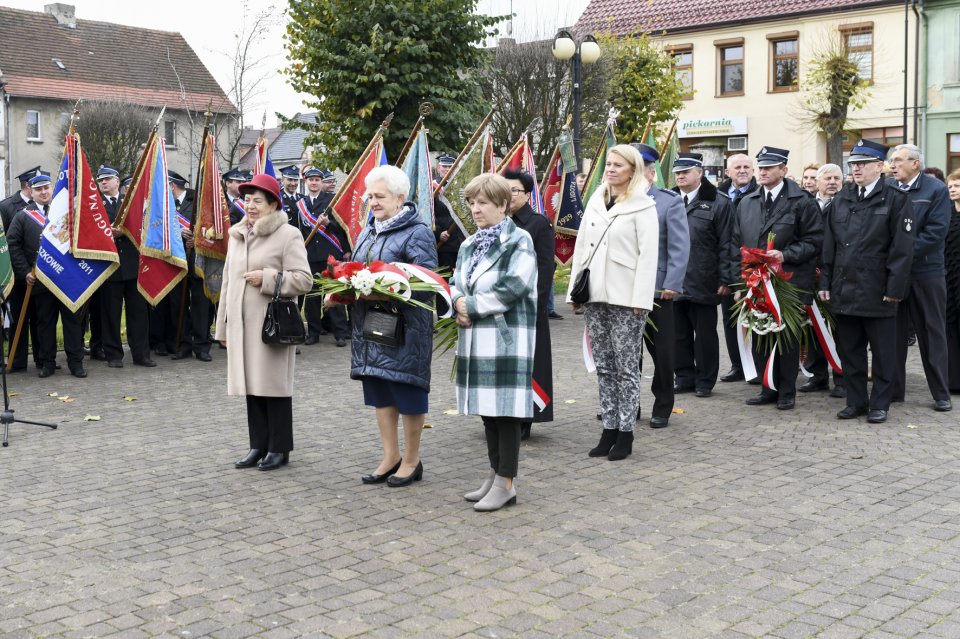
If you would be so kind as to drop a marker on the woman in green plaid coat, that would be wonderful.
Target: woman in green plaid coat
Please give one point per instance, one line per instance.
(495, 297)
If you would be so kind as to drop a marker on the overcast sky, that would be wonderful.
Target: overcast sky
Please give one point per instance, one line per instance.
(211, 27)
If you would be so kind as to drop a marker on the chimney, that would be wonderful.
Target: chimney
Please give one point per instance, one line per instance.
(65, 14)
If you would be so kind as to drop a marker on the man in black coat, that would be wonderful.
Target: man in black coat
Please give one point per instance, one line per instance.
(710, 272)
(867, 250)
(24, 243)
(781, 207)
(541, 232)
(925, 305)
(739, 183)
(445, 230)
(121, 288)
(232, 180)
(329, 241)
(289, 194)
(9, 206)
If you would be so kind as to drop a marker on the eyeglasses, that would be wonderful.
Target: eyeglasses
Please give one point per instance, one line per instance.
(517, 191)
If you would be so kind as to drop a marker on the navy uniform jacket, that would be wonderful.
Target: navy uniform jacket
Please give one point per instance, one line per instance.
(23, 239)
(129, 256)
(674, 250)
(236, 213)
(798, 224)
(932, 209)
(9, 208)
(320, 247)
(710, 220)
(867, 250)
(289, 203)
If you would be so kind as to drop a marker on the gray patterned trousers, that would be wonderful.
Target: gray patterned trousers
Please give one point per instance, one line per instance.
(616, 334)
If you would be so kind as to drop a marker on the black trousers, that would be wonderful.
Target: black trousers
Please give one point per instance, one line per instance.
(113, 296)
(503, 444)
(162, 327)
(270, 423)
(854, 333)
(28, 334)
(332, 320)
(662, 344)
(698, 345)
(786, 365)
(925, 308)
(817, 364)
(49, 310)
(93, 320)
(730, 332)
(195, 335)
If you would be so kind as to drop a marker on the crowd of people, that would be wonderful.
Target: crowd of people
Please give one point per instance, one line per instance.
(653, 269)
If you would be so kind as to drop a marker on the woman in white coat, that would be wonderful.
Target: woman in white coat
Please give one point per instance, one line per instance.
(261, 245)
(618, 242)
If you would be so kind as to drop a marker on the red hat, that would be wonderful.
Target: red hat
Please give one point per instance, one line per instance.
(265, 183)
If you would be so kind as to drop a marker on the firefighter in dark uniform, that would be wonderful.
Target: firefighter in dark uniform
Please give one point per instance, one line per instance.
(289, 193)
(12, 204)
(329, 240)
(24, 243)
(195, 334)
(781, 207)
(121, 289)
(710, 272)
(232, 180)
(8, 209)
(867, 252)
(447, 232)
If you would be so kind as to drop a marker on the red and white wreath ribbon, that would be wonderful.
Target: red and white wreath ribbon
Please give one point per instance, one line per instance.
(825, 337)
(427, 276)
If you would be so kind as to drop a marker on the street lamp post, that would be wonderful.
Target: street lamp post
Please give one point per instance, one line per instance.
(587, 51)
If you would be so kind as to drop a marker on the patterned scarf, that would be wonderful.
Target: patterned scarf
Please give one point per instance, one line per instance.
(381, 226)
(482, 241)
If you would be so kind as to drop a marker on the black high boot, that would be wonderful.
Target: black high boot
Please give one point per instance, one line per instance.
(623, 447)
(607, 439)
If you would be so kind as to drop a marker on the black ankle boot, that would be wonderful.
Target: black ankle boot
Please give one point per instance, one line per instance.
(623, 447)
(607, 439)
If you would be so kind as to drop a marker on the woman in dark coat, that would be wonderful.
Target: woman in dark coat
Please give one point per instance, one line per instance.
(541, 232)
(396, 380)
(952, 257)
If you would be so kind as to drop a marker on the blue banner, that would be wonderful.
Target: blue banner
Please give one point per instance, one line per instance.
(417, 167)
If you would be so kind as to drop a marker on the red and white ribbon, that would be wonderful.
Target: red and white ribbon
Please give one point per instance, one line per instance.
(746, 352)
(427, 276)
(825, 337)
(768, 376)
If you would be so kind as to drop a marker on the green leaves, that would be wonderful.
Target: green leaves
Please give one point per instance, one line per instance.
(363, 59)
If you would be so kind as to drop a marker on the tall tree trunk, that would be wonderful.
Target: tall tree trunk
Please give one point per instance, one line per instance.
(835, 149)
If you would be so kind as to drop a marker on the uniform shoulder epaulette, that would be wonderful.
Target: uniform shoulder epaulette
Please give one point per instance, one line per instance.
(668, 192)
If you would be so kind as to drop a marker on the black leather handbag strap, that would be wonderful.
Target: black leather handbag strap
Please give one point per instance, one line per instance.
(279, 285)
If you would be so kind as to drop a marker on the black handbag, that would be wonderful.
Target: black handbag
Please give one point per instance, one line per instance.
(282, 325)
(384, 326)
(580, 293)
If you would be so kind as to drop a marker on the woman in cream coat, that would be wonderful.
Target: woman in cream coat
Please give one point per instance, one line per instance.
(261, 245)
(618, 241)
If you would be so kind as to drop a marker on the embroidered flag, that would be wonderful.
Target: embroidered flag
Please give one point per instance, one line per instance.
(417, 167)
(595, 177)
(351, 210)
(262, 162)
(163, 260)
(520, 158)
(6, 267)
(569, 206)
(211, 220)
(77, 252)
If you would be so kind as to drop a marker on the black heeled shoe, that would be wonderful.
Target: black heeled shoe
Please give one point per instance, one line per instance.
(274, 461)
(374, 478)
(395, 482)
(251, 458)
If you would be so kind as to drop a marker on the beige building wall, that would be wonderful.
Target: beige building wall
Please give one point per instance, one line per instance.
(774, 118)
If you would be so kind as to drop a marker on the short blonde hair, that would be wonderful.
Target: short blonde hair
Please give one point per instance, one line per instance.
(491, 186)
(811, 165)
(634, 159)
(954, 175)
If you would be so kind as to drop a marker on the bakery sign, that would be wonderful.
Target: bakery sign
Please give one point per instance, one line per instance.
(709, 127)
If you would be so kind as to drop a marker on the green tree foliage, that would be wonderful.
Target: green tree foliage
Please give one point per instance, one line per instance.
(831, 86)
(362, 59)
(643, 85)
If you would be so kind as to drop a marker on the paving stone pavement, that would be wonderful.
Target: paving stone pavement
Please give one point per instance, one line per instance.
(733, 522)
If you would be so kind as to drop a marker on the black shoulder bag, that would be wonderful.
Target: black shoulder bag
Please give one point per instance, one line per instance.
(580, 293)
(282, 325)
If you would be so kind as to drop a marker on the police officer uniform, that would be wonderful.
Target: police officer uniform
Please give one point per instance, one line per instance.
(710, 223)
(329, 241)
(673, 253)
(9, 206)
(794, 217)
(24, 243)
(867, 250)
(120, 291)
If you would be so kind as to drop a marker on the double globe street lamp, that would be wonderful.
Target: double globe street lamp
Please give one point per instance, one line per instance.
(586, 51)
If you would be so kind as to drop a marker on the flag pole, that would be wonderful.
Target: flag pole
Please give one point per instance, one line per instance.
(666, 140)
(470, 143)
(353, 172)
(646, 129)
(128, 195)
(33, 273)
(425, 109)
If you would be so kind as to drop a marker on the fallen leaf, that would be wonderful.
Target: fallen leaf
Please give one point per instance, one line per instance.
(428, 425)
(51, 394)
(678, 411)
(129, 398)
(570, 401)
(911, 425)
(11, 394)
(92, 418)
(451, 411)
(66, 399)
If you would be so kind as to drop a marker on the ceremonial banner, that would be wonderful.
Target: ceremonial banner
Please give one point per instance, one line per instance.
(595, 177)
(660, 166)
(520, 158)
(262, 162)
(163, 260)
(77, 252)
(472, 161)
(417, 167)
(6, 268)
(667, 155)
(351, 210)
(568, 205)
(489, 161)
(211, 221)
(551, 186)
